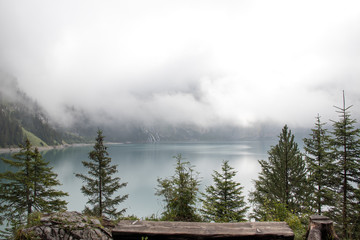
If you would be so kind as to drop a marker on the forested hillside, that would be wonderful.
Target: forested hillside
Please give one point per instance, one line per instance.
(11, 132)
(21, 116)
(119, 130)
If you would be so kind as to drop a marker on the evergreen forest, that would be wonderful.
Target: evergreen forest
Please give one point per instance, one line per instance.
(22, 117)
(293, 184)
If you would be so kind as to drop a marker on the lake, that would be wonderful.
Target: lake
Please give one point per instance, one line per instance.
(142, 164)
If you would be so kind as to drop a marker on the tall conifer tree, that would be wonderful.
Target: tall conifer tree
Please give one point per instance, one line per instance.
(100, 183)
(45, 198)
(180, 192)
(282, 179)
(355, 218)
(346, 152)
(224, 201)
(16, 189)
(30, 188)
(320, 166)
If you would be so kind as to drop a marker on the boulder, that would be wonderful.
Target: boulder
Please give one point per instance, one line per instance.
(69, 226)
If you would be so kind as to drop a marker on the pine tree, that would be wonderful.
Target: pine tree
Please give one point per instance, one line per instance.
(16, 189)
(320, 165)
(224, 201)
(282, 179)
(180, 192)
(100, 183)
(346, 152)
(30, 188)
(45, 198)
(355, 219)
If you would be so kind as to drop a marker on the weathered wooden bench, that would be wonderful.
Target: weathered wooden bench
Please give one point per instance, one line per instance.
(190, 230)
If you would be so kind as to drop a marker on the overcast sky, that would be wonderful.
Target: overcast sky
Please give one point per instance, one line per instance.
(203, 62)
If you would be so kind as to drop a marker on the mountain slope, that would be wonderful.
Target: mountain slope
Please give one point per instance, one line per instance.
(21, 116)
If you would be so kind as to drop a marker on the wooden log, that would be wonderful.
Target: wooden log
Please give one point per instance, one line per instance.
(321, 228)
(190, 230)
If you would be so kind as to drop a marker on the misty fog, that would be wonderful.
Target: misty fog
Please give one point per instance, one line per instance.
(201, 63)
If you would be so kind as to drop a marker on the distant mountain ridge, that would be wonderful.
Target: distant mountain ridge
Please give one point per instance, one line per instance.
(85, 125)
(21, 116)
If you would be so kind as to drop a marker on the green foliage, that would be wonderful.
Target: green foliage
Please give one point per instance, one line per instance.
(18, 112)
(180, 192)
(45, 197)
(282, 192)
(34, 219)
(345, 145)
(276, 211)
(35, 121)
(224, 201)
(299, 228)
(282, 178)
(152, 217)
(355, 220)
(129, 217)
(10, 131)
(29, 189)
(34, 140)
(20, 234)
(100, 183)
(320, 166)
(12, 230)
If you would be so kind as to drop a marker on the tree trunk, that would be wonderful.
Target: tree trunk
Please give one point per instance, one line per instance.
(100, 191)
(321, 228)
(345, 175)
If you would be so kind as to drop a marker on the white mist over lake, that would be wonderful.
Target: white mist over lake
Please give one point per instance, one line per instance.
(142, 164)
(200, 62)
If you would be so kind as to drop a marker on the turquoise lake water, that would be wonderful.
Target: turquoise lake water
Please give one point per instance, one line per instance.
(142, 164)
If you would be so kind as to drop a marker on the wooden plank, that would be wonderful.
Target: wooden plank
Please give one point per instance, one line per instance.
(190, 230)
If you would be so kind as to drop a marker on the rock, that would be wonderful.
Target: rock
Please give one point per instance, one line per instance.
(69, 226)
(95, 221)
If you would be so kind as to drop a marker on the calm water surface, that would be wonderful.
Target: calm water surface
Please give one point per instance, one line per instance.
(142, 164)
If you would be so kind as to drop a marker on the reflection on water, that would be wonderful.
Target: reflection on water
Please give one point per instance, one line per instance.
(141, 164)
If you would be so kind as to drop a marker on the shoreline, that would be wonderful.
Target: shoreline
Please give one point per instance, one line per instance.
(41, 149)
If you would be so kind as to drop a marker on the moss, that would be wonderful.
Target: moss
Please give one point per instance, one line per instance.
(297, 226)
(22, 235)
(34, 219)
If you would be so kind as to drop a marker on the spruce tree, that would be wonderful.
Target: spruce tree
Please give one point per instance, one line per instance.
(282, 179)
(320, 166)
(45, 198)
(180, 192)
(16, 189)
(224, 201)
(355, 219)
(29, 188)
(346, 152)
(100, 183)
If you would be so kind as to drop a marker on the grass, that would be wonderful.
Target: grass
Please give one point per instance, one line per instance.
(35, 141)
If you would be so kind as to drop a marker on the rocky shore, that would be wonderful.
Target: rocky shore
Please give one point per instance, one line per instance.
(68, 226)
(17, 149)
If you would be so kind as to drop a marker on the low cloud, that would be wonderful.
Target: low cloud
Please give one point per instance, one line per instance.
(202, 63)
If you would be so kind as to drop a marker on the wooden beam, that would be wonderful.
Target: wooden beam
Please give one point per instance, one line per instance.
(194, 230)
